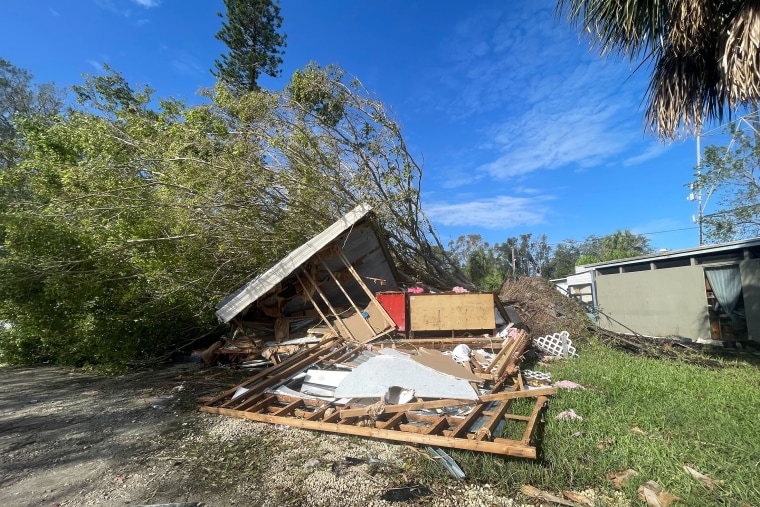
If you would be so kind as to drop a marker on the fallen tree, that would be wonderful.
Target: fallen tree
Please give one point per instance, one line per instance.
(125, 223)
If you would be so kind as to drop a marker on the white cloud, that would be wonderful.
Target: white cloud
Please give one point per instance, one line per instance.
(650, 153)
(148, 4)
(544, 139)
(543, 105)
(493, 213)
(456, 179)
(111, 6)
(95, 64)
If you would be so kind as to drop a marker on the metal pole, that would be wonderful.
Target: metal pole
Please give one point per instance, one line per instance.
(700, 212)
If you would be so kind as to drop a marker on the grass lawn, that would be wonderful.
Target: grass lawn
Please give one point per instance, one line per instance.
(652, 416)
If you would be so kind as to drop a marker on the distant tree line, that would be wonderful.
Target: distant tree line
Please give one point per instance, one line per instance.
(489, 265)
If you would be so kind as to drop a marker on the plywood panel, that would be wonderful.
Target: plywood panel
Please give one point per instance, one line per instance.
(440, 312)
(375, 317)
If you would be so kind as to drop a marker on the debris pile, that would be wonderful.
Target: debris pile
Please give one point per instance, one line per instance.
(341, 345)
(544, 308)
(385, 390)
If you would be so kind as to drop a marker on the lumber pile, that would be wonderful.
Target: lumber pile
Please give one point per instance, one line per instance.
(397, 393)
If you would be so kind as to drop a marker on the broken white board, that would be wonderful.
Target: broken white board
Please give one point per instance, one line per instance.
(322, 382)
(375, 377)
(286, 391)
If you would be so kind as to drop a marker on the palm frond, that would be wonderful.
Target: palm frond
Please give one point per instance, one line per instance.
(741, 55)
(706, 53)
(625, 27)
(683, 92)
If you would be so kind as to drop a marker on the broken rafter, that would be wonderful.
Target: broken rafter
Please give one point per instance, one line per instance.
(343, 290)
(339, 322)
(361, 283)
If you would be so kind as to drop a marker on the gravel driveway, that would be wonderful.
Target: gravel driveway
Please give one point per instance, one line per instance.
(69, 438)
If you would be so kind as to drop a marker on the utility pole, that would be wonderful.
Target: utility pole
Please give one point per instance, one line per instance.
(700, 211)
(514, 266)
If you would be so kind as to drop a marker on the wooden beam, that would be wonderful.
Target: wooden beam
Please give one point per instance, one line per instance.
(393, 422)
(488, 342)
(523, 451)
(289, 408)
(437, 426)
(261, 405)
(264, 380)
(487, 430)
(509, 365)
(347, 263)
(467, 421)
(317, 414)
(316, 306)
(245, 403)
(504, 351)
(273, 370)
(533, 417)
(343, 290)
(527, 393)
(334, 417)
(330, 306)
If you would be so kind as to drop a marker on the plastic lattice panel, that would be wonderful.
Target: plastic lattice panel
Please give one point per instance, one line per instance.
(554, 344)
(536, 375)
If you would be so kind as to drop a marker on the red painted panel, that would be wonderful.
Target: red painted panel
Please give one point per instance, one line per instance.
(395, 304)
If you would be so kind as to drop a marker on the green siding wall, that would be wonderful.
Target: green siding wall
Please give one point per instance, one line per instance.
(660, 302)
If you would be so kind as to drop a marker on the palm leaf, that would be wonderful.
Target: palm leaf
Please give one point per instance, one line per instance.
(741, 56)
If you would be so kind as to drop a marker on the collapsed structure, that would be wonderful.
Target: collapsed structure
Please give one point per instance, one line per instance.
(342, 347)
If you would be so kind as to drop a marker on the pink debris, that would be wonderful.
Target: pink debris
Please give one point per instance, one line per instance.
(566, 384)
(415, 290)
(459, 290)
(569, 414)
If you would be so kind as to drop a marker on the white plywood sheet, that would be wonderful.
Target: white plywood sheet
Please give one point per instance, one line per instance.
(373, 379)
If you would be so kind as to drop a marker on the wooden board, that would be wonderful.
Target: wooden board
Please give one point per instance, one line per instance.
(444, 312)
(365, 329)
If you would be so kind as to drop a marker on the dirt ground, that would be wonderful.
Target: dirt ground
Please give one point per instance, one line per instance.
(69, 438)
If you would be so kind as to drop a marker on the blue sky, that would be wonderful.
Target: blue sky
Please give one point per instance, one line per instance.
(519, 127)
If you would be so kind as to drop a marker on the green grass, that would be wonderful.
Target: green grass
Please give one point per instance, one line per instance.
(708, 419)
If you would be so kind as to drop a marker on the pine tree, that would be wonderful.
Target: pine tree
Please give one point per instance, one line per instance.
(251, 34)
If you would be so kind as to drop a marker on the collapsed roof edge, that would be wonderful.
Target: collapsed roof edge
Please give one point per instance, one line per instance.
(254, 289)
